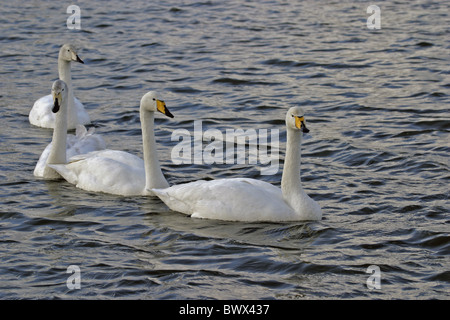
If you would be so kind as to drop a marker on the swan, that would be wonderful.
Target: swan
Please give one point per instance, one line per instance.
(64, 145)
(41, 114)
(118, 172)
(244, 199)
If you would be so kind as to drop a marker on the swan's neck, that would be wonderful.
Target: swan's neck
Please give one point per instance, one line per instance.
(58, 152)
(291, 184)
(65, 74)
(154, 177)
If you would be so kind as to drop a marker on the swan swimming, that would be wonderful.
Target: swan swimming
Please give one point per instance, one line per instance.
(41, 114)
(63, 145)
(244, 199)
(119, 172)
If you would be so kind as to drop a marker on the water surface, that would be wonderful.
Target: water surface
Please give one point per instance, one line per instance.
(376, 158)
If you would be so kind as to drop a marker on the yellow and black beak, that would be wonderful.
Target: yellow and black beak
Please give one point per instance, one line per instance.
(57, 98)
(161, 107)
(77, 59)
(300, 124)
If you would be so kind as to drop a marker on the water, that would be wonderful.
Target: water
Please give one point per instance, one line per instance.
(376, 158)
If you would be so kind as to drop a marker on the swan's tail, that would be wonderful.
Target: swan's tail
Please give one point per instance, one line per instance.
(88, 140)
(175, 204)
(160, 193)
(67, 174)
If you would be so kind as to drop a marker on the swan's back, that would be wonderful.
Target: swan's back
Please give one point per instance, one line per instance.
(41, 114)
(237, 199)
(84, 141)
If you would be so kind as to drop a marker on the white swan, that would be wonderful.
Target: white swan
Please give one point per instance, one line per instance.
(244, 199)
(119, 172)
(41, 114)
(63, 145)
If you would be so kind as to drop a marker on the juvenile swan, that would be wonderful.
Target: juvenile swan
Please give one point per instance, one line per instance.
(41, 114)
(242, 199)
(63, 145)
(119, 172)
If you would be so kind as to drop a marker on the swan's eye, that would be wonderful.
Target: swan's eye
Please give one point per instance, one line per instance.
(292, 115)
(154, 99)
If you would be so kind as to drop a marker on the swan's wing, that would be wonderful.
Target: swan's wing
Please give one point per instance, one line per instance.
(125, 158)
(41, 114)
(80, 131)
(42, 162)
(108, 171)
(83, 116)
(228, 199)
(84, 142)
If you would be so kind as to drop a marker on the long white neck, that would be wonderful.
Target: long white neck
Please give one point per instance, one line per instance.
(291, 183)
(303, 206)
(65, 74)
(154, 177)
(58, 152)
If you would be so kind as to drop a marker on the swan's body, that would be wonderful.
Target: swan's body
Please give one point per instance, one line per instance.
(63, 145)
(244, 199)
(238, 199)
(119, 172)
(82, 142)
(41, 114)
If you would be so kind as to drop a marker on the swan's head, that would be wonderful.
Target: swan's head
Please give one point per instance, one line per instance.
(151, 102)
(69, 53)
(59, 93)
(295, 119)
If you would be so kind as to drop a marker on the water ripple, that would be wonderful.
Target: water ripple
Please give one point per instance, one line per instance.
(376, 158)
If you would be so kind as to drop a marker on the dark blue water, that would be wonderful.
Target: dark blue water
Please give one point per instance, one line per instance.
(376, 158)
